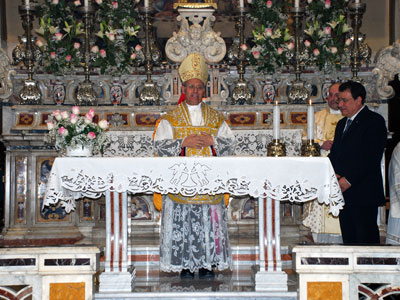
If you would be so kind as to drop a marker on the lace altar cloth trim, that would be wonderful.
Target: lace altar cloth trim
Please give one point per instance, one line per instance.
(295, 179)
(248, 142)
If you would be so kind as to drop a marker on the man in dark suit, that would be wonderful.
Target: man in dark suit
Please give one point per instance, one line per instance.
(356, 156)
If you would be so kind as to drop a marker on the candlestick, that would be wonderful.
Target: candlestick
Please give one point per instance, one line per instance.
(297, 3)
(146, 3)
(276, 121)
(241, 2)
(310, 121)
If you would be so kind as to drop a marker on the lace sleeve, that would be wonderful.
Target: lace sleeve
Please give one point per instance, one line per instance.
(224, 146)
(168, 147)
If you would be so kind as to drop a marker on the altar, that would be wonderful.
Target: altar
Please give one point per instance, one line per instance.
(270, 179)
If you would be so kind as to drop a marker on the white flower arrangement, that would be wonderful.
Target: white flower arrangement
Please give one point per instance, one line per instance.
(77, 130)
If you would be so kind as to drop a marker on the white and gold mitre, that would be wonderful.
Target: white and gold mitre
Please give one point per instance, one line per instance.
(193, 66)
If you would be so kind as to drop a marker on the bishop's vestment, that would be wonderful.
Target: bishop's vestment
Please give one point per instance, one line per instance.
(194, 231)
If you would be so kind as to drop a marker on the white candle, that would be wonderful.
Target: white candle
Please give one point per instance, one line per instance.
(86, 3)
(241, 2)
(146, 3)
(297, 3)
(276, 120)
(310, 121)
(27, 3)
(357, 1)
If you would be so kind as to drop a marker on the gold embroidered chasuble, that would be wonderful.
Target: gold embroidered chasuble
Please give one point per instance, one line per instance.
(180, 121)
(325, 125)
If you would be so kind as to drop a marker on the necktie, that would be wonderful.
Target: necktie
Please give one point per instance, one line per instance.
(346, 128)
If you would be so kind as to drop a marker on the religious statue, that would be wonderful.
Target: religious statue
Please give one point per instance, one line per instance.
(198, 37)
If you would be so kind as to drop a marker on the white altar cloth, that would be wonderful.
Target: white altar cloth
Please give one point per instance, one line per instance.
(296, 179)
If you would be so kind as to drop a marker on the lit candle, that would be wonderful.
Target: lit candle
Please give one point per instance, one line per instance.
(297, 3)
(241, 2)
(276, 120)
(146, 3)
(86, 3)
(310, 120)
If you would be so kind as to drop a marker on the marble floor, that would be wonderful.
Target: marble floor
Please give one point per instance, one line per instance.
(235, 284)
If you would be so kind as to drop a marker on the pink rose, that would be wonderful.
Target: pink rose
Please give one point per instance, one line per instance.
(63, 131)
(39, 43)
(307, 43)
(316, 52)
(115, 4)
(77, 45)
(268, 31)
(91, 112)
(76, 110)
(50, 125)
(56, 114)
(68, 57)
(103, 124)
(138, 47)
(77, 2)
(111, 36)
(327, 3)
(279, 51)
(133, 56)
(58, 36)
(256, 54)
(94, 49)
(334, 50)
(243, 47)
(54, 2)
(269, 3)
(103, 53)
(73, 118)
(309, 1)
(91, 135)
(64, 115)
(88, 119)
(99, 2)
(348, 42)
(290, 46)
(327, 30)
(53, 55)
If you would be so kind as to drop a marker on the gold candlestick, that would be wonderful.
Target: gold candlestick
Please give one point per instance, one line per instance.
(276, 148)
(311, 149)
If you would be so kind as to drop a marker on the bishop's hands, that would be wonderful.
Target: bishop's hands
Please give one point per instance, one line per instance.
(198, 141)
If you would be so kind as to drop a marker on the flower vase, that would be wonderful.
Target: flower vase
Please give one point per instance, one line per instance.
(79, 151)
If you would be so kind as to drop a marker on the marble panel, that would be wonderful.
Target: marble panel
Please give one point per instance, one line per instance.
(324, 290)
(324, 261)
(67, 291)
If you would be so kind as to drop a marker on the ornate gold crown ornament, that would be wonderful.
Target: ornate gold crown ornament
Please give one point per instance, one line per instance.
(195, 4)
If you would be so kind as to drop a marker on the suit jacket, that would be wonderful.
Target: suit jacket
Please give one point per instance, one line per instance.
(357, 156)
